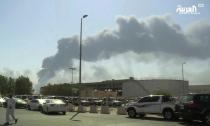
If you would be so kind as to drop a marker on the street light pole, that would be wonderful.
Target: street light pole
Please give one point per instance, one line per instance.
(183, 71)
(80, 64)
(72, 68)
(80, 56)
(183, 76)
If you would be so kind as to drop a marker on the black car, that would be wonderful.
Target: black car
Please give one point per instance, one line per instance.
(194, 107)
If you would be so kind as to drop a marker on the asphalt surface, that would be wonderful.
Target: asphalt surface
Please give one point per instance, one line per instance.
(35, 118)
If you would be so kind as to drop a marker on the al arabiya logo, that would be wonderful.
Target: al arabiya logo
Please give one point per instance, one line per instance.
(189, 10)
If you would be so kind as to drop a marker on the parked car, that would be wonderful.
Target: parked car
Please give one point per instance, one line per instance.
(75, 100)
(23, 97)
(20, 103)
(54, 105)
(111, 102)
(152, 104)
(2, 100)
(98, 102)
(35, 104)
(115, 102)
(194, 107)
(84, 102)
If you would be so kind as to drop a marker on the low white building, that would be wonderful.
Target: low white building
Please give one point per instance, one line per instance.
(133, 88)
(199, 88)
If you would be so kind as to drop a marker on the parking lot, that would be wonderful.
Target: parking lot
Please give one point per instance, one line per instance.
(35, 118)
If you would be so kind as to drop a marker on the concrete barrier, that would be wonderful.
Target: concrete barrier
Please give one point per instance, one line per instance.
(121, 111)
(71, 107)
(81, 109)
(93, 109)
(105, 110)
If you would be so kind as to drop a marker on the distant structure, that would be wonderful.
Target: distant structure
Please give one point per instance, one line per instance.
(199, 88)
(113, 85)
(132, 88)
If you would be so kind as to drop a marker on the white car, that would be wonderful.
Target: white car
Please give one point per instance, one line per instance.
(2, 100)
(35, 104)
(153, 104)
(54, 105)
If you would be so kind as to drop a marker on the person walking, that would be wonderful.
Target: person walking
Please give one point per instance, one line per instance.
(10, 110)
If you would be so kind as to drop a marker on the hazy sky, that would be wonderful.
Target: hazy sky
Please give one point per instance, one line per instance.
(30, 31)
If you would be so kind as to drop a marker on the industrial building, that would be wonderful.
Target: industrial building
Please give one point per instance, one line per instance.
(133, 88)
(113, 85)
(199, 88)
(130, 87)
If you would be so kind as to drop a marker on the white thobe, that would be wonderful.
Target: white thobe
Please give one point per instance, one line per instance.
(10, 109)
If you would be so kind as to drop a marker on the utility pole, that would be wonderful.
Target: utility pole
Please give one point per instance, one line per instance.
(80, 56)
(183, 77)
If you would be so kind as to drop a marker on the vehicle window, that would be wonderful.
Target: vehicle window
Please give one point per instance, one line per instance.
(166, 99)
(19, 100)
(58, 101)
(41, 101)
(48, 101)
(154, 99)
(186, 99)
(35, 97)
(34, 101)
(149, 99)
(24, 97)
(203, 98)
(169, 99)
(145, 99)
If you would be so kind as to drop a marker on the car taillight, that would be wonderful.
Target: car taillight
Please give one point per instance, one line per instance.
(193, 105)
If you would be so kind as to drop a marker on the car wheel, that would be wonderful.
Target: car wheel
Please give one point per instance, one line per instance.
(176, 117)
(141, 115)
(64, 113)
(132, 113)
(28, 107)
(207, 118)
(168, 114)
(42, 110)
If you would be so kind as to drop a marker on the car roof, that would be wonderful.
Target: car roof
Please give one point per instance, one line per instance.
(153, 95)
(198, 94)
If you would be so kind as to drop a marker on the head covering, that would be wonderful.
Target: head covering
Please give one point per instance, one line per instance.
(10, 95)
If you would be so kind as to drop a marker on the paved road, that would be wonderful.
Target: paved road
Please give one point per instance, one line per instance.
(35, 118)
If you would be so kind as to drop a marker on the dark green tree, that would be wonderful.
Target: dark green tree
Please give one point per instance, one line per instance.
(10, 86)
(23, 86)
(62, 89)
(162, 92)
(3, 85)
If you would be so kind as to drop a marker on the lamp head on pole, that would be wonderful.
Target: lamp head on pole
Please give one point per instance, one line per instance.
(84, 16)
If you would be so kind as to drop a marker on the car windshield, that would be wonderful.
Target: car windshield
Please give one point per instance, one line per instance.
(19, 100)
(58, 101)
(41, 101)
